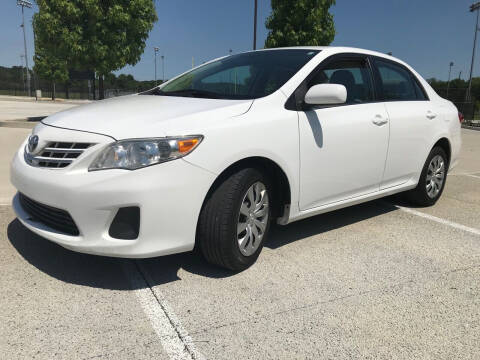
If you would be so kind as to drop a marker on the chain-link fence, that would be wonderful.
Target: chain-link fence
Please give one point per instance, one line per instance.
(13, 82)
(469, 109)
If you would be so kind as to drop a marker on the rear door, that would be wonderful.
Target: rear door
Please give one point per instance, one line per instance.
(411, 117)
(342, 148)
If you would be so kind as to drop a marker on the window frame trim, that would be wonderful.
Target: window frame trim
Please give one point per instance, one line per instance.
(379, 82)
(296, 101)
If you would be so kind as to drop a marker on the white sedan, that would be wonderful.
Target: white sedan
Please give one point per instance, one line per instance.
(213, 156)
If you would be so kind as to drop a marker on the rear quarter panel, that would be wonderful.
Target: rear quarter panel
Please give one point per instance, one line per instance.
(452, 128)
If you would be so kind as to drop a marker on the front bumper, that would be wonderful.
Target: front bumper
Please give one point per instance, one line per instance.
(169, 195)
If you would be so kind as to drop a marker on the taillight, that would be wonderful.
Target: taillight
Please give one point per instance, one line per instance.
(460, 117)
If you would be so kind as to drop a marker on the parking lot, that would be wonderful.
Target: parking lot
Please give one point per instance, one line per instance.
(379, 280)
(16, 111)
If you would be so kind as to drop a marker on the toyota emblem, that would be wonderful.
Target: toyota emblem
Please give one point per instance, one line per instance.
(32, 143)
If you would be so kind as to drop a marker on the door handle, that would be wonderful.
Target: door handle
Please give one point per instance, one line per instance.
(379, 120)
(431, 115)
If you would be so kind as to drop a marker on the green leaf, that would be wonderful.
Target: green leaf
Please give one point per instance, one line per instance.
(300, 23)
(102, 36)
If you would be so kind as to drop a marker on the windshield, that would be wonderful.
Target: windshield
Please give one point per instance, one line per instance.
(244, 76)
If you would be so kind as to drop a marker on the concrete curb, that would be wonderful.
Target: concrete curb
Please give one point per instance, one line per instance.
(44, 100)
(477, 128)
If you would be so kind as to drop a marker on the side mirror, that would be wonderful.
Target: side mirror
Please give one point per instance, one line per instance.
(326, 94)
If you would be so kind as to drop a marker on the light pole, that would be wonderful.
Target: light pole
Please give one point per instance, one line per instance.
(155, 50)
(449, 73)
(473, 7)
(255, 25)
(23, 73)
(163, 68)
(25, 4)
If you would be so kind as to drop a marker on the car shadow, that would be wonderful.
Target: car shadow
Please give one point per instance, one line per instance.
(316, 225)
(65, 265)
(316, 127)
(101, 271)
(108, 273)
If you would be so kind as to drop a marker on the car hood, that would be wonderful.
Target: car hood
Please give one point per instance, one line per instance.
(136, 116)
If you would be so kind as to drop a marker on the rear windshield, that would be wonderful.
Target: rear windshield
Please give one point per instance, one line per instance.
(244, 76)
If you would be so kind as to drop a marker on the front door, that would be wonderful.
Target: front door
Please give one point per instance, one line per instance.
(343, 148)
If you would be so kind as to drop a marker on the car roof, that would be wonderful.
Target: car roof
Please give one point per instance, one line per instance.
(337, 49)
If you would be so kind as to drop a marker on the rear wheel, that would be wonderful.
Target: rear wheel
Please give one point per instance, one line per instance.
(235, 220)
(432, 179)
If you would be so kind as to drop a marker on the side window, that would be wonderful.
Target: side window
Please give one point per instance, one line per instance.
(419, 91)
(354, 74)
(397, 83)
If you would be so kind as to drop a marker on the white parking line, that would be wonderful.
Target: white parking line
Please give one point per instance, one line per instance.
(440, 220)
(474, 176)
(174, 338)
(467, 174)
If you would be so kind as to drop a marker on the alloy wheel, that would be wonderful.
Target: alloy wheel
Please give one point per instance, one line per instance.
(435, 176)
(252, 219)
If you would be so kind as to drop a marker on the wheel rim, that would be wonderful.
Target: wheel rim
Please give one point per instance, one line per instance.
(252, 219)
(435, 176)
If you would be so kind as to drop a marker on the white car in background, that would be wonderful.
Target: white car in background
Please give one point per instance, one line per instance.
(212, 157)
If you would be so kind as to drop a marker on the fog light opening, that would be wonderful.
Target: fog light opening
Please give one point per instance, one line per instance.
(126, 224)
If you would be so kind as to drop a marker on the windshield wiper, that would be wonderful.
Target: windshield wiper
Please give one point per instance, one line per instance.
(190, 93)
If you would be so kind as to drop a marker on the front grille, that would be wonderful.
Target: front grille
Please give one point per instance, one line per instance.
(55, 218)
(56, 154)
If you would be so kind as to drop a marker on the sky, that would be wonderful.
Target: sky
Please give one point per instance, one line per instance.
(427, 34)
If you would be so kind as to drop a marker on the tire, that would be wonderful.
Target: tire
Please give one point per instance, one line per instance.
(421, 195)
(222, 212)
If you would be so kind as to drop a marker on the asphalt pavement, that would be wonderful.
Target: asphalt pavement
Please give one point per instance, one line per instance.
(381, 280)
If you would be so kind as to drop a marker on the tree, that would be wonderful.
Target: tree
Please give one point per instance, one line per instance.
(300, 23)
(98, 35)
(49, 66)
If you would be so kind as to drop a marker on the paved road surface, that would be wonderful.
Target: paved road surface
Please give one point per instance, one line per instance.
(14, 108)
(10, 140)
(373, 281)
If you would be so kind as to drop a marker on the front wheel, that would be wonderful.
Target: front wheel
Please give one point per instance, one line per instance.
(235, 219)
(432, 179)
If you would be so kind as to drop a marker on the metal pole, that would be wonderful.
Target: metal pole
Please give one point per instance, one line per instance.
(449, 73)
(35, 79)
(255, 26)
(23, 73)
(473, 8)
(155, 50)
(26, 55)
(163, 68)
(94, 86)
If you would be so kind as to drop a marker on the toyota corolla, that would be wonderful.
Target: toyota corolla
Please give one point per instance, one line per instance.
(212, 157)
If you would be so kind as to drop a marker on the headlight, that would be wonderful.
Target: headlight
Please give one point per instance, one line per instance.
(138, 153)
